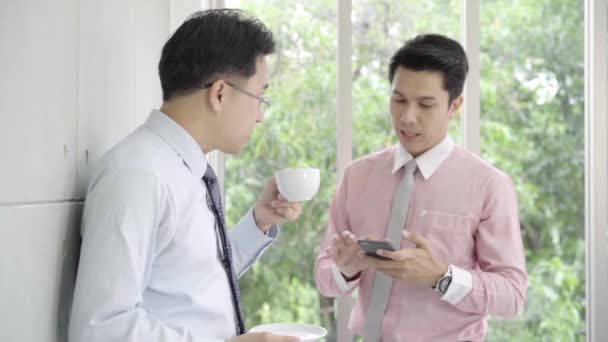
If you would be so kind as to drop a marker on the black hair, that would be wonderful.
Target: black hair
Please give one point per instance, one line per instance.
(210, 44)
(434, 52)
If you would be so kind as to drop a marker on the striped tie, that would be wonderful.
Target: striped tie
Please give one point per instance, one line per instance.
(214, 200)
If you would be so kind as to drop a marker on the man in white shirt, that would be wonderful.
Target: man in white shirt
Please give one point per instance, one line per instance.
(156, 261)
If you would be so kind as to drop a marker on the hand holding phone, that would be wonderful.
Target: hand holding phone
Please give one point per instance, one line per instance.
(370, 247)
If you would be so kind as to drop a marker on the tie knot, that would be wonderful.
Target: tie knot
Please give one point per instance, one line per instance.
(410, 166)
(210, 178)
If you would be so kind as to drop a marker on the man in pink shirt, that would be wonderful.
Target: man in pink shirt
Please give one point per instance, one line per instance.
(460, 256)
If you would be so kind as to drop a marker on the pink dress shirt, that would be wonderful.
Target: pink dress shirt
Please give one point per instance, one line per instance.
(467, 209)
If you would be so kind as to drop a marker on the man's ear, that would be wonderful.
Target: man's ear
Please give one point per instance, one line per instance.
(455, 106)
(216, 94)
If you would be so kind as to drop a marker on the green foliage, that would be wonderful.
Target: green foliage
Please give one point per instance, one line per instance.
(298, 131)
(532, 128)
(553, 307)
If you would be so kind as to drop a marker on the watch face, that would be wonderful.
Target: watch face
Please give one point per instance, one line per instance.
(444, 284)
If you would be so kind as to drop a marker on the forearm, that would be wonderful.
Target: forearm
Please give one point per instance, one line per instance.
(495, 293)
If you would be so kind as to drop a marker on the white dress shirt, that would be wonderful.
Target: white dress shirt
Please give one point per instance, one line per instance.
(427, 163)
(149, 268)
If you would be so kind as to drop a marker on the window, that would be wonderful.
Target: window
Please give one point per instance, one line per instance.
(298, 131)
(532, 127)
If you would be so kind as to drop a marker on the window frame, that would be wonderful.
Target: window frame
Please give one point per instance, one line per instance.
(596, 169)
(596, 137)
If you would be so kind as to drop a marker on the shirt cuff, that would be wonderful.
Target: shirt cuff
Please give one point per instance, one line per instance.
(341, 282)
(255, 237)
(461, 285)
(249, 243)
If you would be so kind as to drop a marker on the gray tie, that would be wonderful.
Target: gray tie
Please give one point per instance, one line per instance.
(383, 283)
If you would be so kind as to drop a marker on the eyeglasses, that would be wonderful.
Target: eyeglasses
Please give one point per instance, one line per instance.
(263, 100)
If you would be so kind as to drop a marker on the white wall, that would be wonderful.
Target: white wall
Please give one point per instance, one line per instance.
(38, 89)
(77, 76)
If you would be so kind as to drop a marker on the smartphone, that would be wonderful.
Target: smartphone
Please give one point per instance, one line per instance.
(370, 247)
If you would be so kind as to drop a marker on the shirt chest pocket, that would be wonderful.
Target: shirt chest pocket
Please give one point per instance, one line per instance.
(450, 235)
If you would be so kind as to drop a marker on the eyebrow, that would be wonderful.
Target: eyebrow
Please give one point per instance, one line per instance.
(423, 98)
(266, 86)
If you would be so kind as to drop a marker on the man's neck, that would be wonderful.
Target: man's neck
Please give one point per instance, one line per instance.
(185, 114)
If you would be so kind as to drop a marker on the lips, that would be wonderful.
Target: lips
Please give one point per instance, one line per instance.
(408, 134)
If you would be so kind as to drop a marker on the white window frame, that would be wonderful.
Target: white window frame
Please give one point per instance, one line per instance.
(596, 137)
(470, 39)
(596, 169)
(344, 116)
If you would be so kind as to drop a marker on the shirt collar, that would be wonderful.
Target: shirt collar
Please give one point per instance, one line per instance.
(429, 161)
(180, 140)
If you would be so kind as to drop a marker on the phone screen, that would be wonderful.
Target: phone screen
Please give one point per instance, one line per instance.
(370, 247)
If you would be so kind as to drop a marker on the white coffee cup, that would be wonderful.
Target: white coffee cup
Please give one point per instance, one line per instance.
(298, 185)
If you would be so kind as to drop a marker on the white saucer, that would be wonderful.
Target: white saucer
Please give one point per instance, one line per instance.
(306, 332)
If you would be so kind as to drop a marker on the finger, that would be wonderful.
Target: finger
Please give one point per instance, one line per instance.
(291, 214)
(362, 256)
(282, 198)
(381, 263)
(399, 255)
(277, 338)
(348, 238)
(284, 204)
(287, 213)
(272, 183)
(290, 339)
(339, 243)
(376, 262)
(416, 238)
(334, 250)
(297, 206)
(350, 251)
(332, 254)
(335, 240)
(271, 187)
(281, 211)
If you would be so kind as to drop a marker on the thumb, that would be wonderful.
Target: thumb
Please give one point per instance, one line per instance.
(417, 239)
(272, 183)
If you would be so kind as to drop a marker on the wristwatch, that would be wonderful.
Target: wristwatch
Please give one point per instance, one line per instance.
(444, 282)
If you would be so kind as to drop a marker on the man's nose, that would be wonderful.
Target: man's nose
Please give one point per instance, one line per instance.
(409, 115)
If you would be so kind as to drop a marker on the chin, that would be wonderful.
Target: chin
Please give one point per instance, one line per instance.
(413, 149)
(236, 149)
(231, 151)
